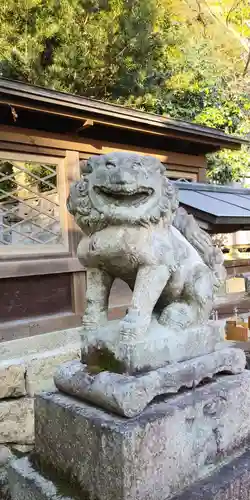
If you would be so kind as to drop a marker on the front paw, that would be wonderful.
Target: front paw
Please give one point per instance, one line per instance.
(133, 326)
(93, 321)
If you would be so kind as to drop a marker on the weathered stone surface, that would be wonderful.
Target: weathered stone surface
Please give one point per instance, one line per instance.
(134, 230)
(12, 379)
(229, 482)
(4, 485)
(22, 449)
(129, 395)
(27, 484)
(17, 421)
(40, 368)
(5, 458)
(5, 455)
(158, 347)
(117, 459)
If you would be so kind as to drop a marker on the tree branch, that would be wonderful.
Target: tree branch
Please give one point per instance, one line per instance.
(232, 8)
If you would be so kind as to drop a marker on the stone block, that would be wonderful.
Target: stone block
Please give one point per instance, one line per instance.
(21, 348)
(153, 456)
(158, 347)
(5, 455)
(4, 485)
(26, 483)
(12, 379)
(17, 421)
(129, 395)
(228, 482)
(40, 368)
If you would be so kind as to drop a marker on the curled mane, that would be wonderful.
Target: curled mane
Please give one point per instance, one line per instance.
(202, 242)
(91, 220)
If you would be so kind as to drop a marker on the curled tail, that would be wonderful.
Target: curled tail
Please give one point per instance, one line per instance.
(212, 256)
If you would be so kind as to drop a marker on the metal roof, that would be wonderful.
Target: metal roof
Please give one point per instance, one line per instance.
(78, 107)
(217, 205)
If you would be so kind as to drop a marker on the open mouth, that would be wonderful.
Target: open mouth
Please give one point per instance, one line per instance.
(118, 194)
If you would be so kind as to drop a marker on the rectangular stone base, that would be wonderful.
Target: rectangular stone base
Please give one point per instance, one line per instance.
(153, 456)
(158, 347)
(230, 482)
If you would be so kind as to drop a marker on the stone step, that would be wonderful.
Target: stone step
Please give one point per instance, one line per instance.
(25, 483)
(229, 482)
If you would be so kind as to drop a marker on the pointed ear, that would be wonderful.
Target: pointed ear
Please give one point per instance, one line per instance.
(154, 163)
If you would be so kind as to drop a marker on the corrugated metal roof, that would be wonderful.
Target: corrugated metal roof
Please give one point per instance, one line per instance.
(216, 204)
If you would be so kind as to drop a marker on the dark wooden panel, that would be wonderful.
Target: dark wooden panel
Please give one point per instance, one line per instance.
(33, 296)
(22, 328)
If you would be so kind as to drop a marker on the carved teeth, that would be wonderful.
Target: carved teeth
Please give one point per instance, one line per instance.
(124, 191)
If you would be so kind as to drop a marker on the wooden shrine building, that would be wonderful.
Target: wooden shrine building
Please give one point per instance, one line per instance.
(43, 136)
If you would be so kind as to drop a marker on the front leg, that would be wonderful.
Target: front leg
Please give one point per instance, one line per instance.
(149, 283)
(99, 284)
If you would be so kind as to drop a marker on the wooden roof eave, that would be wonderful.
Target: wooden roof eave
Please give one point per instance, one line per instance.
(79, 108)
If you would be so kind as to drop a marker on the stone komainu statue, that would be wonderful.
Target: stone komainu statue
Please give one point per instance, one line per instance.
(134, 230)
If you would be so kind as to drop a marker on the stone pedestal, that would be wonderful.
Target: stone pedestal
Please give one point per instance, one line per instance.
(129, 395)
(138, 434)
(171, 445)
(159, 346)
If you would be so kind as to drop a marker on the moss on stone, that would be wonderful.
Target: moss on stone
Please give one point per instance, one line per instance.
(99, 358)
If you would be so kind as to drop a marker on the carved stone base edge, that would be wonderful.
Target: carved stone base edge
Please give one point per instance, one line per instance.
(157, 348)
(129, 395)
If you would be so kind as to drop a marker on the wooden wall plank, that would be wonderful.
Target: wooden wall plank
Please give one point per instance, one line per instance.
(32, 267)
(26, 148)
(78, 290)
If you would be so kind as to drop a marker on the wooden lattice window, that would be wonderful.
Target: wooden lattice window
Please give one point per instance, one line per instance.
(32, 204)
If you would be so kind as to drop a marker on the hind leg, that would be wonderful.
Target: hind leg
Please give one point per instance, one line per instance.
(195, 303)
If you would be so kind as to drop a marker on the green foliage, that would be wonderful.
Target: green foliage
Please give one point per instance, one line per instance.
(228, 166)
(39, 172)
(185, 59)
(7, 183)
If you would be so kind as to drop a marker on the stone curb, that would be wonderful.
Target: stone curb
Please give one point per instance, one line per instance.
(33, 373)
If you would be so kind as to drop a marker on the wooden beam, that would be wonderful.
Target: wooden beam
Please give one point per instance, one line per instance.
(112, 123)
(34, 267)
(86, 124)
(18, 329)
(59, 142)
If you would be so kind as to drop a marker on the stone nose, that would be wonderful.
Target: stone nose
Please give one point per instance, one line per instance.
(122, 178)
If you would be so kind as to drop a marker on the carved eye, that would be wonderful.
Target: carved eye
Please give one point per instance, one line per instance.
(110, 165)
